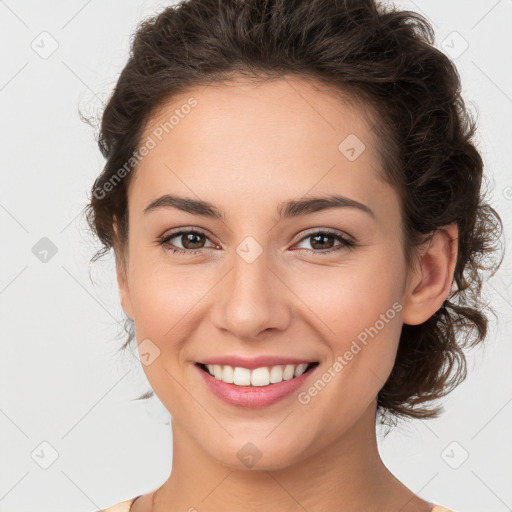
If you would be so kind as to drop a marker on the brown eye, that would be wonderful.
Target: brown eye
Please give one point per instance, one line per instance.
(323, 242)
(192, 241)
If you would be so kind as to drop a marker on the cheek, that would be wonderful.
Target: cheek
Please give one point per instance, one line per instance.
(357, 307)
(352, 296)
(164, 303)
(163, 296)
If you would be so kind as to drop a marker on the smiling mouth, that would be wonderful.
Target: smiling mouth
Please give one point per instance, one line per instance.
(263, 376)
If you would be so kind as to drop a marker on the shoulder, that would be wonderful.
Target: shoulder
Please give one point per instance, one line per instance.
(123, 506)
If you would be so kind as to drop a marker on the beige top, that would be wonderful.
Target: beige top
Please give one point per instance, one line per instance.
(124, 506)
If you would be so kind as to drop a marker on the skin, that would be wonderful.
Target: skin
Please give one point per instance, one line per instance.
(246, 148)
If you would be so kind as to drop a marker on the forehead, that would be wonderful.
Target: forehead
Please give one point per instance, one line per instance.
(276, 139)
(276, 113)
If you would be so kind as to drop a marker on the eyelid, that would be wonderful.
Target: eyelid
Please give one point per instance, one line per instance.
(187, 229)
(305, 234)
(345, 240)
(329, 231)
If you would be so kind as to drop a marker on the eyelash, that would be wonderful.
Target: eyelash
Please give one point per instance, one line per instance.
(344, 242)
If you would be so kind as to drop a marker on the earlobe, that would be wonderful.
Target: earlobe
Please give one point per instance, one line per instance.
(432, 282)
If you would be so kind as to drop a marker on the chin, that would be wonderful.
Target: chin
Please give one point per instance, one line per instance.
(258, 455)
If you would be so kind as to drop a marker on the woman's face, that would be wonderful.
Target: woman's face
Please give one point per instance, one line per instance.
(261, 282)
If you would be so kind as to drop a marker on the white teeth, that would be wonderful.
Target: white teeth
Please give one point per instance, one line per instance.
(288, 372)
(217, 371)
(241, 376)
(301, 368)
(276, 374)
(258, 376)
(227, 374)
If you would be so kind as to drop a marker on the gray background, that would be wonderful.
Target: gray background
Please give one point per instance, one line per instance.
(71, 436)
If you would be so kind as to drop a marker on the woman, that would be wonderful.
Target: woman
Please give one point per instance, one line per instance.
(294, 201)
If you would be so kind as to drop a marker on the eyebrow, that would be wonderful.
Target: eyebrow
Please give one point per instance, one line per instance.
(287, 209)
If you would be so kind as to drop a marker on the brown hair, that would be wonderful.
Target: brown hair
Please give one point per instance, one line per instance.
(382, 57)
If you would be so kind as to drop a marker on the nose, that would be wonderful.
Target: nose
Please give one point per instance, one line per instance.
(252, 298)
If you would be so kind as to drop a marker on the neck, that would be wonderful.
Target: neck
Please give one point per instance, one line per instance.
(347, 474)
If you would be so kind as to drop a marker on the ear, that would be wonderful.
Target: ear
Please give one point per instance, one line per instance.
(432, 279)
(121, 272)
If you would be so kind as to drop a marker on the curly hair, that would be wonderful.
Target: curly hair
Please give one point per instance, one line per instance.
(384, 59)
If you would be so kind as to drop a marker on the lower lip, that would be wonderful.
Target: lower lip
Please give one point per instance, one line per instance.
(253, 396)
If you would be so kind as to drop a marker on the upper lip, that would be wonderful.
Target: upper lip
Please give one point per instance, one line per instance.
(254, 362)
